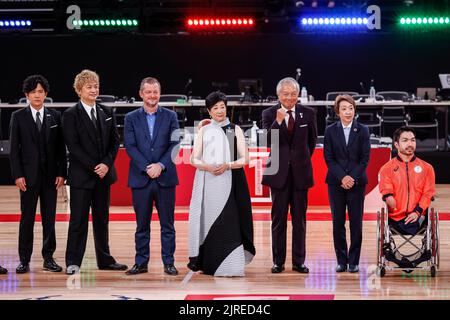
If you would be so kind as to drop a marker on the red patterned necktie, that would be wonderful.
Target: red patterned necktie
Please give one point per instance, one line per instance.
(290, 123)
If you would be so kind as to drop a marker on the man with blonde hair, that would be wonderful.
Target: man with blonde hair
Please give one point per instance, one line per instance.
(92, 139)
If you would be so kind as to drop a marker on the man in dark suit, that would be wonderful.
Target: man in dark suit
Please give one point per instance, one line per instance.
(347, 153)
(38, 166)
(92, 139)
(292, 132)
(151, 140)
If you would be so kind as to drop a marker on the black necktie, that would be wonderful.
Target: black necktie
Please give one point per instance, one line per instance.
(38, 121)
(93, 118)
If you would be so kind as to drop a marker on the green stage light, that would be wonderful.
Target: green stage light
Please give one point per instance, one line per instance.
(105, 23)
(419, 20)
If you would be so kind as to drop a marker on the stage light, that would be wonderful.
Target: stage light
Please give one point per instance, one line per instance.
(14, 24)
(435, 21)
(229, 23)
(107, 23)
(317, 23)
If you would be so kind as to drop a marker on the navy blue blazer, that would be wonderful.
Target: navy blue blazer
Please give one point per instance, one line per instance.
(351, 159)
(143, 150)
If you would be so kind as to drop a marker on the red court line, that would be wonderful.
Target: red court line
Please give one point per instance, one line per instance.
(184, 216)
(260, 296)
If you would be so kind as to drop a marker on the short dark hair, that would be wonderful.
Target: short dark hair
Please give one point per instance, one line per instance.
(31, 82)
(215, 97)
(149, 80)
(399, 131)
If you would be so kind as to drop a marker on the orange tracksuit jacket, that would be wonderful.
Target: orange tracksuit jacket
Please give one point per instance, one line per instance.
(412, 184)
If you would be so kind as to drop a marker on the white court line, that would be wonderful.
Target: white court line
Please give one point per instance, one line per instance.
(188, 277)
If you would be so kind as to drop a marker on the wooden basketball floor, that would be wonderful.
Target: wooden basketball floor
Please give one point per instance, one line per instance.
(321, 283)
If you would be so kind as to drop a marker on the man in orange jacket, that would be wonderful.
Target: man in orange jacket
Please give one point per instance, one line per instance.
(407, 184)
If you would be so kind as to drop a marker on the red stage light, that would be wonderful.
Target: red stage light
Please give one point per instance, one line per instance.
(222, 22)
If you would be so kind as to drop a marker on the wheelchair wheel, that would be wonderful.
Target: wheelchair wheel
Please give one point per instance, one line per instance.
(381, 271)
(435, 239)
(380, 236)
(433, 271)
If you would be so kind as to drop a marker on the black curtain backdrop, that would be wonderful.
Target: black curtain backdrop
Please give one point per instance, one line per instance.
(396, 61)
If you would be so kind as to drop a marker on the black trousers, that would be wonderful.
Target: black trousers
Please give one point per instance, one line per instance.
(297, 200)
(46, 191)
(80, 202)
(341, 200)
(408, 229)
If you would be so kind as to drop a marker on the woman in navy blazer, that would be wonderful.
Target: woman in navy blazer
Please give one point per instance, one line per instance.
(346, 152)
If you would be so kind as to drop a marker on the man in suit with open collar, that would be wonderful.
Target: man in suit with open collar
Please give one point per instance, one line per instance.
(38, 166)
(92, 139)
(289, 171)
(152, 140)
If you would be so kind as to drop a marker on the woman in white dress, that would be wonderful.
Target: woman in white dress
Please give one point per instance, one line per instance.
(220, 214)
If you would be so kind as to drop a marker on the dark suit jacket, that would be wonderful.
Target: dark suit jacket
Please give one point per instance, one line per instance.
(24, 153)
(351, 159)
(143, 150)
(298, 153)
(79, 135)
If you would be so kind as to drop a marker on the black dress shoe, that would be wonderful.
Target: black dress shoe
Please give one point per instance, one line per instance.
(277, 268)
(170, 270)
(3, 270)
(51, 265)
(341, 268)
(137, 269)
(193, 266)
(23, 268)
(300, 268)
(353, 268)
(115, 266)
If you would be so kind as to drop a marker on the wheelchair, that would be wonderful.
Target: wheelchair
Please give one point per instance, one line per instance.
(424, 255)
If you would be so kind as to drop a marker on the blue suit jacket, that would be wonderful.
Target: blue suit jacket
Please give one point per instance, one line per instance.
(351, 159)
(143, 150)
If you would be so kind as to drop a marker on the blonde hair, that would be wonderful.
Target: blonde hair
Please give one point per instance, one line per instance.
(84, 77)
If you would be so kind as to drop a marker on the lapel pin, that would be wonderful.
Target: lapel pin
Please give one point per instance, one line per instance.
(301, 115)
(355, 130)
